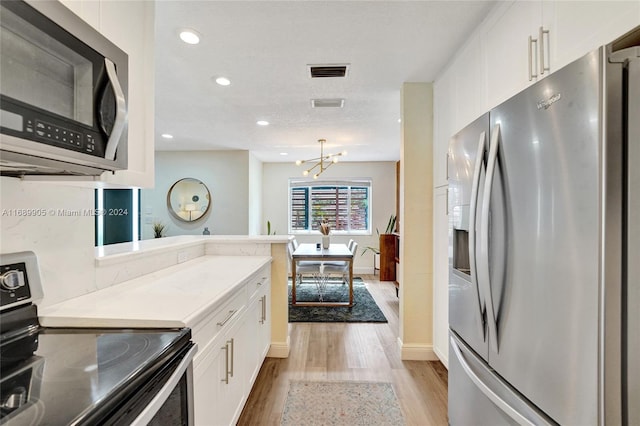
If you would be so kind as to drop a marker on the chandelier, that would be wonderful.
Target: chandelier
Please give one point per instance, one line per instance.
(323, 162)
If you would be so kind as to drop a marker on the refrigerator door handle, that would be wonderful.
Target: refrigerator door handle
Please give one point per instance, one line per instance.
(473, 207)
(483, 259)
(486, 390)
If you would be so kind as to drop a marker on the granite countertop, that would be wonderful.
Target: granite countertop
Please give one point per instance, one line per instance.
(178, 296)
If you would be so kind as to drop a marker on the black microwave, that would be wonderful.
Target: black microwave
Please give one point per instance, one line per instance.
(63, 93)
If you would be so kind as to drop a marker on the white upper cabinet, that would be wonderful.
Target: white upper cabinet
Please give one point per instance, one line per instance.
(510, 57)
(578, 27)
(443, 125)
(130, 26)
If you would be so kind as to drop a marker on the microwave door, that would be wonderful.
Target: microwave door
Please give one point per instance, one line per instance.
(62, 99)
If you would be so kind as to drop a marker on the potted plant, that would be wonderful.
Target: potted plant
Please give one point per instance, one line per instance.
(383, 239)
(158, 229)
(269, 229)
(388, 230)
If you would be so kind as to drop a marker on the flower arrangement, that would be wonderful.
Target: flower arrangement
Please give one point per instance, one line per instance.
(324, 227)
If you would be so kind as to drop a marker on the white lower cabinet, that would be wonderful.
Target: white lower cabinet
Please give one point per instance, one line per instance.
(239, 334)
(219, 385)
(259, 328)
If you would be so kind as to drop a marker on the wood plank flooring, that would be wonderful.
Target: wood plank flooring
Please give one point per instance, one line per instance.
(352, 352)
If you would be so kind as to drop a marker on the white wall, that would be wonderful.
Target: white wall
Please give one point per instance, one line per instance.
(225, 173)
(61, 235)
(255, 195)
(275, 203)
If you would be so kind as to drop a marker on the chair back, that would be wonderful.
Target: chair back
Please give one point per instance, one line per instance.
(354, 249)
(294, 243)
(350, 244)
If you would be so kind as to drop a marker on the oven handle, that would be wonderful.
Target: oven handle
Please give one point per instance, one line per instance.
(161, 397)
(121, 112)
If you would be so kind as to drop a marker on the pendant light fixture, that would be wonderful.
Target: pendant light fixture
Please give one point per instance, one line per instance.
(322, 163)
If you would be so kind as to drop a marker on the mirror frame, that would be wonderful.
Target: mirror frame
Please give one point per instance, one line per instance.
(175, 213)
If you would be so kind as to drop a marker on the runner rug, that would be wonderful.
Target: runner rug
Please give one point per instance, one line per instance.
(311, 403)
(364, 307)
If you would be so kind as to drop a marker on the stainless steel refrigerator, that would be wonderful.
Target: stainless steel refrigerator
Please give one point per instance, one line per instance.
(544, 287)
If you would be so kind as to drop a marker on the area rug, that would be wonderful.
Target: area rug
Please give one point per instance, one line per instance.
(364, 308)
(312, 403)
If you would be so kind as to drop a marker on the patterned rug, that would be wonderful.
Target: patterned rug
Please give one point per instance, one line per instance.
(364, 308)
(341, 403)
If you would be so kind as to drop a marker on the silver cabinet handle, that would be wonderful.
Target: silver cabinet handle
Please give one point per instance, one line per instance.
(226, 363)
(446, 201)
(263, 317)
(531, 56)
(541, 35)
(229, 316)
(447, 166)
(483, 259)
(232, 356)
(486, 390)
(121, 111)
(473, 208)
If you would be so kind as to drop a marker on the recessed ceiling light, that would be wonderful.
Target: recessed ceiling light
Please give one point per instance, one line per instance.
(189, 36)
(399, 120)
(262, 123)
(223, 81)
(167, 136)
(284, 153)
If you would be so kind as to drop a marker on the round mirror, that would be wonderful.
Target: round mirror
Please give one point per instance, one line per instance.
(188, 200)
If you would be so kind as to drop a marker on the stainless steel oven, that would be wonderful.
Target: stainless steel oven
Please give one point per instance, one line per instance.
(63, 93)
(86, 376)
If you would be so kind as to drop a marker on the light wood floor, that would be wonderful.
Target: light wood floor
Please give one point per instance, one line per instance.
(352, 352)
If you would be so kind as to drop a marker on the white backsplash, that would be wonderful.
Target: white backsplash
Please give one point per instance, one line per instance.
(59, 231)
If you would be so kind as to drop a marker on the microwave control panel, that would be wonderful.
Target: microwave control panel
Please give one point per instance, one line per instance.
(18, 121)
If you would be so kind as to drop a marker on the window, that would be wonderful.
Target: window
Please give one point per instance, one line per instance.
(344, 204)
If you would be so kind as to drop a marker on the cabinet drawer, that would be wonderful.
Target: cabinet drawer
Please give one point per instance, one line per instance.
(258, 281)
(205, 332)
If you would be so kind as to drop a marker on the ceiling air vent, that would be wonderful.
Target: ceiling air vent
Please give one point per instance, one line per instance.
(327, 103)
(324, 71)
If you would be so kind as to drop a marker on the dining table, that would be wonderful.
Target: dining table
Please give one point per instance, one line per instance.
(316, 253)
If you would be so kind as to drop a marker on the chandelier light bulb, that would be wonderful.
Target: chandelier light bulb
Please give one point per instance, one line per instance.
(298, 162)
(305, 173)
(335, 159)
(344, 152)
(316, 176)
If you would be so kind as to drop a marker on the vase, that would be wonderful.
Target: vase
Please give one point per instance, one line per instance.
(325, 241)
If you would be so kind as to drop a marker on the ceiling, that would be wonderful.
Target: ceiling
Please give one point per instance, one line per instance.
(265, 47)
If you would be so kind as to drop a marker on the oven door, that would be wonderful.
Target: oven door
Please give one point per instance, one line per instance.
(166, 399)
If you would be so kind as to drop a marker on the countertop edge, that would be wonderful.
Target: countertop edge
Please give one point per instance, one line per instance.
(67, 313)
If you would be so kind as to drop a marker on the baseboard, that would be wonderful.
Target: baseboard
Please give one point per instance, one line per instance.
(363, 270)
(416, 352)
(279, 349)
(443, 359)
